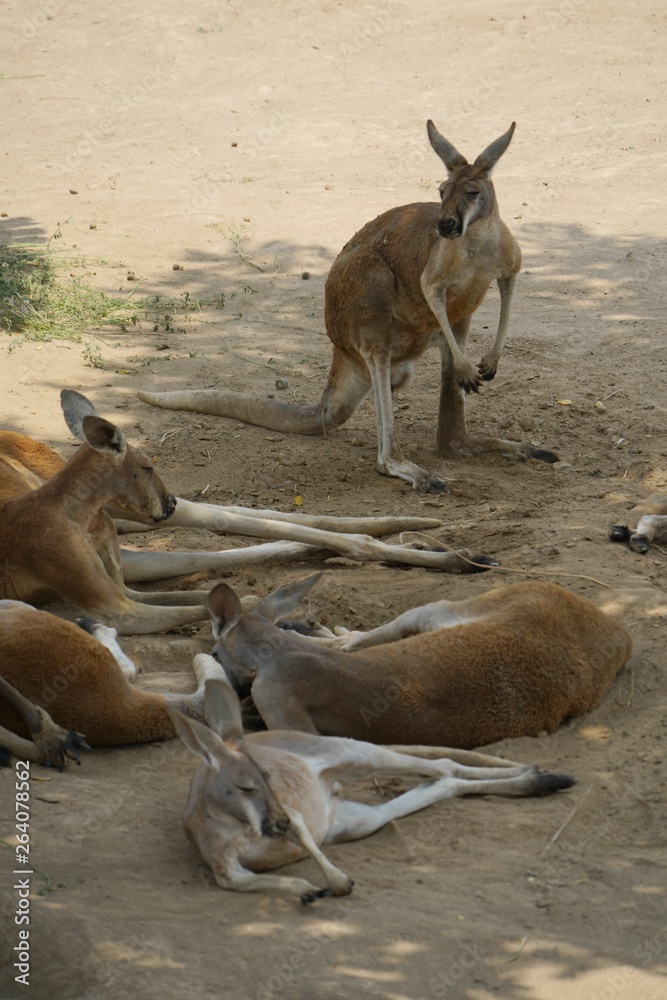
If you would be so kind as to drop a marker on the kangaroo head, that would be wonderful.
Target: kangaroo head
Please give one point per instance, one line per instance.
(468, 194)
(248, 641)
(229, 783)
(128, 472)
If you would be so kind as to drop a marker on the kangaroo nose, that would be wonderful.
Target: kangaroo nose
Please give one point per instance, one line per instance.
(448, 226)
(169, 505)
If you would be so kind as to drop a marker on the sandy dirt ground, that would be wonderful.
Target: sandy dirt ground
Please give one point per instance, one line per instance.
(246, 143)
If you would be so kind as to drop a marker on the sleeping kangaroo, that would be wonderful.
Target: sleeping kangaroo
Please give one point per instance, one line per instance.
(512, 662)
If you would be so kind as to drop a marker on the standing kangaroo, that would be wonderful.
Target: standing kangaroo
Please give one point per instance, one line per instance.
(410, 279)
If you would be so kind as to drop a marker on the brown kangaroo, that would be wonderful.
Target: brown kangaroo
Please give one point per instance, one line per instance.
(57, 539)
(59, 681)
(261, 801)
(410, 279)
(512, 662)
(32, 528)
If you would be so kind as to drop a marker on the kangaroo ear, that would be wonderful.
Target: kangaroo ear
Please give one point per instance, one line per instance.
(224, 608)
(223, 711)
(102, 435)
(447, 153)
(285, 599)
(488, 159)
(198, 737)
(75, 407)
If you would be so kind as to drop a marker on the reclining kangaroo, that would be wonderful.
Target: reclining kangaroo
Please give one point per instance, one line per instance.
(57, 536)
(513, 662)
(61, 684)
(267, 799)
(58, 540)
(410, 279)
(645, 523)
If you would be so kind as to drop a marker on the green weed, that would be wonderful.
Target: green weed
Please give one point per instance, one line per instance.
(39, 302)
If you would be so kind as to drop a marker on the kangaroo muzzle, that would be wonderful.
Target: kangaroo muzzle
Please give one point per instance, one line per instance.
(168, 507)
(450, 228)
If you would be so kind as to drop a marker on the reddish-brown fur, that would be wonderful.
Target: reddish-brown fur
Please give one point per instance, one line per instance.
(57, 539)
(75, 678)
(531, 656)
(404, 282)
(25, 464)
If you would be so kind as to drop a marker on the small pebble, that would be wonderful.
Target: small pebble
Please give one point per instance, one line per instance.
(177, 267)
(92, 225)
(305, 275)
(73, 191)
(235, 144)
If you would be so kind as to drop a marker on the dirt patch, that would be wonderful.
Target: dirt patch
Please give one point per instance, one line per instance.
(246, 144)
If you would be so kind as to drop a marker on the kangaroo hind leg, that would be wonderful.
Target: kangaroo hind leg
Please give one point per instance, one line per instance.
(389, 460)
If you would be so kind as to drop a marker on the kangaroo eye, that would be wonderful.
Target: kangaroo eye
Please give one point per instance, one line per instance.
(472, 195)
(244, 788)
